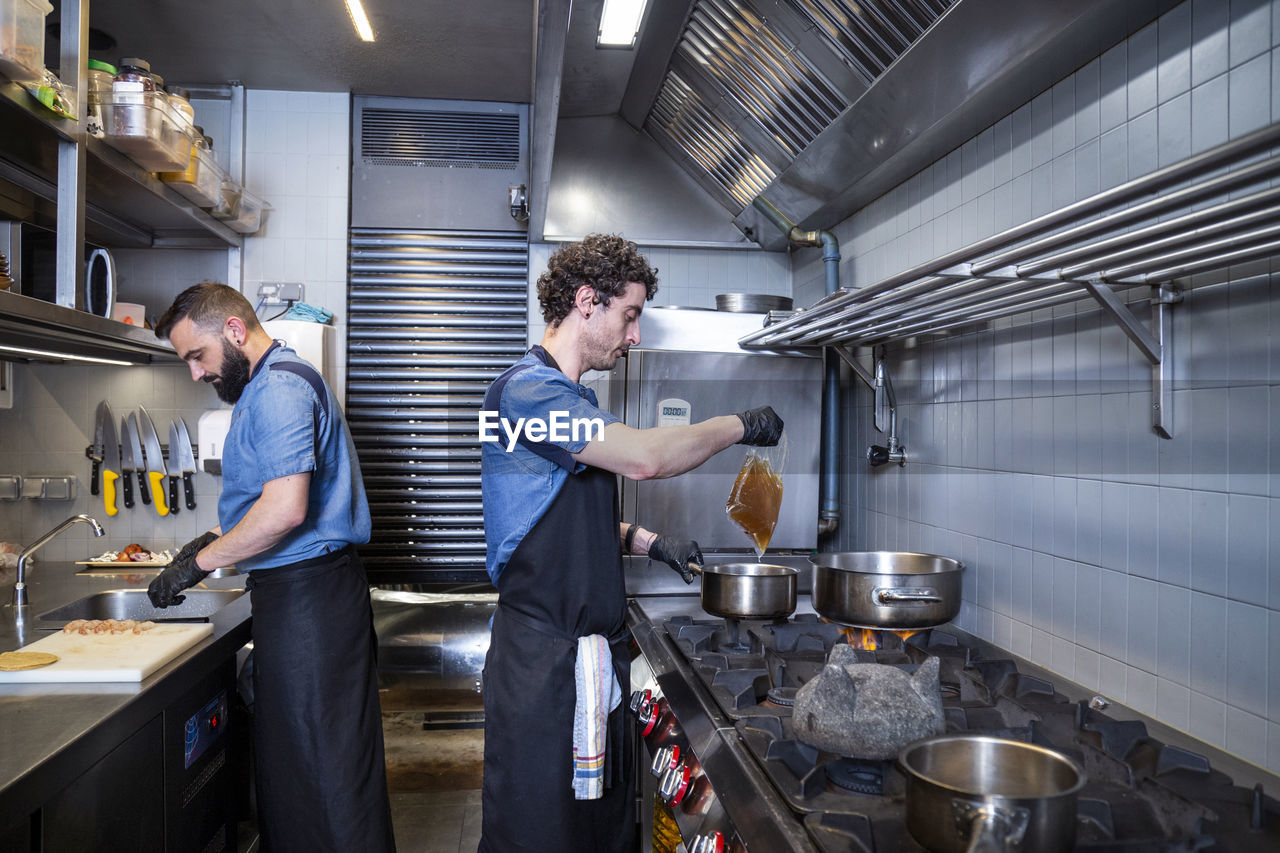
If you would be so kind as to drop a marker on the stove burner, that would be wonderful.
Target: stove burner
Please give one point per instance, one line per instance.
(861, 777)
(784, 696)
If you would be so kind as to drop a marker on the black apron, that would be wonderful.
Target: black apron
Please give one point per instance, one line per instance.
(564, 581)
(317, 724)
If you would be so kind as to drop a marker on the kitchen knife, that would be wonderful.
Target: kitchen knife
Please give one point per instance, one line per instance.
(110, 464)
(94, 451)
(133, 461)
(174, 466)
(188, 460)
(128, 463)
(155, 460)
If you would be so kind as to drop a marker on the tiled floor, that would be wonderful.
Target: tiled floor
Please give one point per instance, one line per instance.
(438, 822)
(434, 777)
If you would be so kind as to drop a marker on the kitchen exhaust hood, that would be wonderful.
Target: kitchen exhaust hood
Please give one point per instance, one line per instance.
(821, 106)
(32, 330)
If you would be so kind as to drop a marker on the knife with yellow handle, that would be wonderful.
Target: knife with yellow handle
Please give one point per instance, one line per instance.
(110, 462)
(155, 461)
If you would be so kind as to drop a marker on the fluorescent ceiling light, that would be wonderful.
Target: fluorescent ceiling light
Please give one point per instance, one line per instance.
(41, 353)
(619, 23)
(360, 19)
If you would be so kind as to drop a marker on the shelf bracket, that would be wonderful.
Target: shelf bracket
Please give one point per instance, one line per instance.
(1154, 343)
(846, 354)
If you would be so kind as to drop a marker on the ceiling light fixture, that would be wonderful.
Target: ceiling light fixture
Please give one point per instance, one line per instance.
(360, 19)
(41, 353)
(620, 22)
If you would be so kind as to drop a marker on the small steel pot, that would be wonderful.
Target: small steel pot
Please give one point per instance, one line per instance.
(748, 590)
(886, 589)
(982, 794)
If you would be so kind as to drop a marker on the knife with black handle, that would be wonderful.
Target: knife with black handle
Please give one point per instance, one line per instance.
(188, 463)
(133, 457)
(128, 464)
(174, 465)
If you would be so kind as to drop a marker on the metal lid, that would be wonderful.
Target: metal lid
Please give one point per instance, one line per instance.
(135, 62)
(752, 303)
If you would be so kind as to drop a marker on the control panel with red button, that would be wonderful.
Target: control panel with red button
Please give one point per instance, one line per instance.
(204, 727)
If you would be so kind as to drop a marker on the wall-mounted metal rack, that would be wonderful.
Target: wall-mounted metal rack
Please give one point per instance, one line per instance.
(1205, 213)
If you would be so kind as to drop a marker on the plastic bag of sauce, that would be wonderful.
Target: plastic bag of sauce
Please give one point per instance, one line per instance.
(755, 499)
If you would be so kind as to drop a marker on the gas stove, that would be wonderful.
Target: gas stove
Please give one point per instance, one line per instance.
(725, 690)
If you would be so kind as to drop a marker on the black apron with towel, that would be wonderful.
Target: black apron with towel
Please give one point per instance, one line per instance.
(564, 581)
(317, 724)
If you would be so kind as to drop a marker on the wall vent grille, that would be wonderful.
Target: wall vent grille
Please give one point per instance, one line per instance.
(439, 138)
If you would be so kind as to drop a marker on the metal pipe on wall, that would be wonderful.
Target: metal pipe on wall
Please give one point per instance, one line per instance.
(829, 506)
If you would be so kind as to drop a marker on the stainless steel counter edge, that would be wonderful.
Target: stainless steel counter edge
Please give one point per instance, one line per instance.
(53, 733)
(741, 788)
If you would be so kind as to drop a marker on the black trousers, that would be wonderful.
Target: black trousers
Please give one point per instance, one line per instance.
(317, 724)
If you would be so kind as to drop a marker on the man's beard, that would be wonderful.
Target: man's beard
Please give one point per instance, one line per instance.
(229, 382)
(597, 354)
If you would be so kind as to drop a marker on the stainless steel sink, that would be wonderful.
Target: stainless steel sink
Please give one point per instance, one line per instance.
(134, 604)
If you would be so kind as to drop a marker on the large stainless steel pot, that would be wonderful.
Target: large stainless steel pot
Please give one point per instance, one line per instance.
(748, 590)
(886, 589)
(985, 794)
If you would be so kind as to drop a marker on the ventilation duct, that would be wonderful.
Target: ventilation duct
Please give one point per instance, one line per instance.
(421, 163)
(832, 103)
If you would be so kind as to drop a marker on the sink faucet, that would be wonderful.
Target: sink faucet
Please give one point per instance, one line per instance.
(20, 586)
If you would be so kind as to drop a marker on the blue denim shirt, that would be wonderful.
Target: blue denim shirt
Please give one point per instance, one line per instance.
(281, 426)
(518, 486)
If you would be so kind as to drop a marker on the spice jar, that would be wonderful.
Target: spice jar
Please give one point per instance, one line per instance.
(101, 76)
(180, 105)
(133, 92)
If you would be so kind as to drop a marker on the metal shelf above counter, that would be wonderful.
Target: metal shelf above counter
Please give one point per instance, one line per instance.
(34, 330)
(125, 206)
(1203, 214)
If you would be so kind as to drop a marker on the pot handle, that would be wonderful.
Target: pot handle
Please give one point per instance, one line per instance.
(990, 828)
(888, 595)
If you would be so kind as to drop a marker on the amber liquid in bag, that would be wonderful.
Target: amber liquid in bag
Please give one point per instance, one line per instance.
(755, 500)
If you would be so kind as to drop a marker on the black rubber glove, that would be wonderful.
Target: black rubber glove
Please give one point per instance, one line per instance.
(177, 576)
(195, 546)
(760, 427)
(677, 553)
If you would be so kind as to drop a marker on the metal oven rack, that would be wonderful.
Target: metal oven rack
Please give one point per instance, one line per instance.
(1202, 214)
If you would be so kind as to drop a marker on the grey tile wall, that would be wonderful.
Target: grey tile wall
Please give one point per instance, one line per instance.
(1143, 568)
(50, 425)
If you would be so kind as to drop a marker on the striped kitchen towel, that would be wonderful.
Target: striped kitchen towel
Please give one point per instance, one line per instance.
(598, 694)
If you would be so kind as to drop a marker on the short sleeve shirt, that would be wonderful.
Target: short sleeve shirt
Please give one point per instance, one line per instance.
(287, 421)
(520, 478)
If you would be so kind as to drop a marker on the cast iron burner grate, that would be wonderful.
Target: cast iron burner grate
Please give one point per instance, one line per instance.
(784, 696)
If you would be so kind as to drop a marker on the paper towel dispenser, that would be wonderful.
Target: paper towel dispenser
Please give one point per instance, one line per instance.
(211, 435)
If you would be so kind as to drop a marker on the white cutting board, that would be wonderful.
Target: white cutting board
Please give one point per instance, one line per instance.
(109, 657)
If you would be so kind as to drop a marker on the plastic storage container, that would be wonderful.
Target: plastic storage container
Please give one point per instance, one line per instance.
(22, 38)
(100, 77)
(243, 214)
(201, 183)
(139, 122)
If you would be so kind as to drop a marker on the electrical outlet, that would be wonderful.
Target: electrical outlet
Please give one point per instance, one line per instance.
(279, 292)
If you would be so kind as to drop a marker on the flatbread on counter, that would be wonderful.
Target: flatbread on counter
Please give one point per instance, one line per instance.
(14, 661)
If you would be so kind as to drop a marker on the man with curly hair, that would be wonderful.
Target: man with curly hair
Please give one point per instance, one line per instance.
(557, 775)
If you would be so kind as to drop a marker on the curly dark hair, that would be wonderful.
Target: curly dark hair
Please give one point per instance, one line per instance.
(603, 262)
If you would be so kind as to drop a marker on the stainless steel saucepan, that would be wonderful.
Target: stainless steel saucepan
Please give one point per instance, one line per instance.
(982, 794)
(748, 590)
(886, 589)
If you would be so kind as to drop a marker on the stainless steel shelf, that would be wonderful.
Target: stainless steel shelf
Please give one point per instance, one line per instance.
(30, 326)
(1205, 213)
(125, 206)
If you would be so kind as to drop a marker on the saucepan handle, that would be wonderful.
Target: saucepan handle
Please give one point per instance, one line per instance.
(990, 828)
(884, 595)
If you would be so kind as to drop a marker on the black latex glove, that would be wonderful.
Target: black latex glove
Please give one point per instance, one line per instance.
(677, 553)
(177, 576)
(760, 427)
(195, 546)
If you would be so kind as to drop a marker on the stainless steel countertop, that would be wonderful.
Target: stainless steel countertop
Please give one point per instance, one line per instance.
(50, 734)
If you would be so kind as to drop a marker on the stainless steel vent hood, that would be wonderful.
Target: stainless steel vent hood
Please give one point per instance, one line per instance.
(821, 106)
(34, 330)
